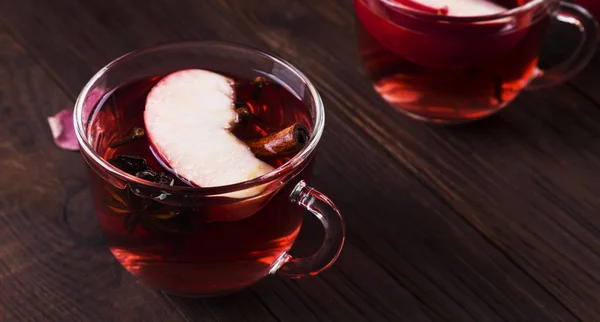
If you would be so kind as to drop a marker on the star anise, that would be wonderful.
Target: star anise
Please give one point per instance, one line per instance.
(147, 213)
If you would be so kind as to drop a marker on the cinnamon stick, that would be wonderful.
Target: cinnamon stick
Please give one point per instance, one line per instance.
(286, 142)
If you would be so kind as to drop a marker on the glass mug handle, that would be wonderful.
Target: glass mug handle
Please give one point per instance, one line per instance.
(588, 27)
(335, 233)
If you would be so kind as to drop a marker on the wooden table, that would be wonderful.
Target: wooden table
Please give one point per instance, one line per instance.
(493, 221)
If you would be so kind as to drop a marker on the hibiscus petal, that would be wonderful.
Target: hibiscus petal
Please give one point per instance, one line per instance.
(63, 130)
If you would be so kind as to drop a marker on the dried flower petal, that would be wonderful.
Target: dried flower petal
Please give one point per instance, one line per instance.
(63, 130)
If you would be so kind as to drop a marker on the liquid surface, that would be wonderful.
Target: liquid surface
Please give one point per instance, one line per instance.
(274, 109)
(205, 247)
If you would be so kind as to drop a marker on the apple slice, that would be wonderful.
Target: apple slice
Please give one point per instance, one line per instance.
(456, 8)
(425, 6)
(461, 8)
(188, 118)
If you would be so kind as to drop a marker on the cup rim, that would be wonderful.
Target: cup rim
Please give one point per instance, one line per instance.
(290, 165)
(463, 19)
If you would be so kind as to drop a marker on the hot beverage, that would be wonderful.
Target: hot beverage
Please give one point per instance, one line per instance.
(182, 249)
(198, 156)
(450, 61)
(593, 6)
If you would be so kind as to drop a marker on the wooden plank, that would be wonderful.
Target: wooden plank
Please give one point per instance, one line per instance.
(524, 179)
(421, 246)
(54, 265)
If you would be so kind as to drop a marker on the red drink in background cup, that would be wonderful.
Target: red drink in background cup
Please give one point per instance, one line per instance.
(593, 6)
(183, 238)
(451, 61)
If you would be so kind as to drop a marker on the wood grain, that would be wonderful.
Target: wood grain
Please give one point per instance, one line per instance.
(493, 221)
(53, 262)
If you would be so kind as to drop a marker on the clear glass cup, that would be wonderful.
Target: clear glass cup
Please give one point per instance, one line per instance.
(201, 241)
(455, 69)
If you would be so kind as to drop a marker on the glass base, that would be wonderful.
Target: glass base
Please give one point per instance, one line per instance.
(447, 121)
(202, 295)
(442, 121)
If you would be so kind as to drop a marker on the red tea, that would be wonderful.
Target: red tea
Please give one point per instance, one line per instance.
(185, 249)
(593, 6)
(452, 71)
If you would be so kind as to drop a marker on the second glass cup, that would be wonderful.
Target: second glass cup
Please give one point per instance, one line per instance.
(203, 241)
(467, 60)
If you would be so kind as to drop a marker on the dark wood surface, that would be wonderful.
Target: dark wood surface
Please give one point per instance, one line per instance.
(493, 221)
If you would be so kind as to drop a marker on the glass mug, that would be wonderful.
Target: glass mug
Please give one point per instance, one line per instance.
(448, 69)
(186, 251)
